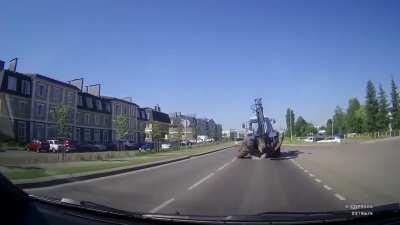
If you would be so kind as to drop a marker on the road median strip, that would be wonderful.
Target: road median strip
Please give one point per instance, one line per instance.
(51, 180)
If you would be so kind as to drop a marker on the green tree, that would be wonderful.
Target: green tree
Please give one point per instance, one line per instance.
(290, 118)
(351, 122)
(156, 134)
(339, 121)
(395, 100)
(360, 120)
(121, 124)
(61, 117)
(382, 116)
(329, 127)
(372, 108)
(300, 126)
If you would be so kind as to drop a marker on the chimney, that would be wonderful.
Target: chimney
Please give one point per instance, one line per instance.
(93, 89)
(13, 65)
(77, 83)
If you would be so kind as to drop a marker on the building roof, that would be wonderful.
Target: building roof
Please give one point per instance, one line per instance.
(52, 80)
(119, 99)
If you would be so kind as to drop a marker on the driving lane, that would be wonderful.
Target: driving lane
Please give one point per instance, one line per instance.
(214, 184)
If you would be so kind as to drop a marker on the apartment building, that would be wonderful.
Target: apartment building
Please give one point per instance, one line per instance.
(93, 119)
(186, 123)
(158, 124)
(47, 95)
(208, 127)
(125, 107)
(15, 104)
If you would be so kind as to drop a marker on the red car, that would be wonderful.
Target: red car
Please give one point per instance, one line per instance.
(38, 145)
(69, 145)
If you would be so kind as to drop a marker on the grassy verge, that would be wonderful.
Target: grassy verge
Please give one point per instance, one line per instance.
(70, 168)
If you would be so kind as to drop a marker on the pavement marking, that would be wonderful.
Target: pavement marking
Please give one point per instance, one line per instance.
(306, 171)
(301, 167)
(234, 159)
(318, 180)
(327, 187)
(311, 175)
(340, 197)
(158, 208)
(223, 166)
(200, 181)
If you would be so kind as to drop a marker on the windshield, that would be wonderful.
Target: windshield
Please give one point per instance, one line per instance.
(155, 99)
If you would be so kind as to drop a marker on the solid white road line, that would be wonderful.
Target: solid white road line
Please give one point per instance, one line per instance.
(200, 181)
(158, 208)
(223, 166)
(327, 187)
(318, 180)
(311, 175)
(340, 197)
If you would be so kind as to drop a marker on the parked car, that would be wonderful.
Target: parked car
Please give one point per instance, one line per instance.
(38, 145)
(130, 145)
(146, 146)
(111, 147)
(331, 140)
(86, 147)
(99, 147)
(56, 145)
(166, 146)
(309, 140)
(69, 145)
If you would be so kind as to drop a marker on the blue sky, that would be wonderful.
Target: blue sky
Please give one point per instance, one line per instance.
(211, 58)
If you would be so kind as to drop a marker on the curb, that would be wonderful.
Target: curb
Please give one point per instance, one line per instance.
(58, 181)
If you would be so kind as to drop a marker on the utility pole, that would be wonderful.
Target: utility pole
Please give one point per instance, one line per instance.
(290, 125)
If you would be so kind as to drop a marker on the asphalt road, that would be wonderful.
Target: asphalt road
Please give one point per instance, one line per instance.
(312, 178)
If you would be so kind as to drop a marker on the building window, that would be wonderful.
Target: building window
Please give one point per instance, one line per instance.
(38, 131)
(106, 121)
(39, 109)
(78, 135)
(89, 102)
(108, 107)
(70, 98)
(99, 106)
(86, 135)
(87, 118)
(80, 100)
(96, 120)
(51, 132)
(26, 87)
(105, 136)
(21, 130)
(12, 83)
(22, 107)
(56, 94)
(52, 113)
(117, 110)
(97, 135)
(41, 90)
(79, 116)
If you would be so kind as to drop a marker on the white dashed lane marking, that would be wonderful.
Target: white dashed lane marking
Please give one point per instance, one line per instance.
(200, 181)
(340, 197)
(158, 208)
(223, 166)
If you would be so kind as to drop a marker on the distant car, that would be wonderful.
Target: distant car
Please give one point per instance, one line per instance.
(166, 146)
(309, 140)
(146, 146)
(130, 145)
(86, 147)
(99, 147)
(111, 147)
(38, 145)
(330, 140)
(56, 145)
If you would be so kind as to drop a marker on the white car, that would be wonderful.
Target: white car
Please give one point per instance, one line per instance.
(330, 140)
(56, 145)
(165, 146)
(309, 140)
